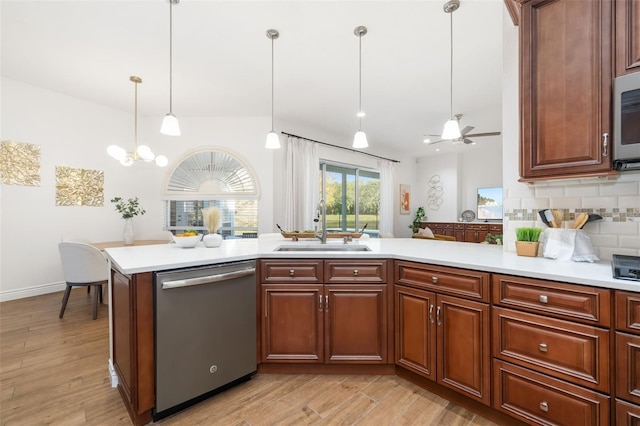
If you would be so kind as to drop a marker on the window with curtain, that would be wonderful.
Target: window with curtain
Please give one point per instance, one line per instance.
(212, 177)
(352, 197)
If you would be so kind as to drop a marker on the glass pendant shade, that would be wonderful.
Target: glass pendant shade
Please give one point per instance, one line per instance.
(170, 125)
(273, 141)
(161, 161)
(360, 140)
(145, 153)
(116, 152)
(451, 130)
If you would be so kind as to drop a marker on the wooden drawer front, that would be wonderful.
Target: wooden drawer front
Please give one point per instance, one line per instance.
(628, 367)
(476, 227)
(447, 225)
(628, 311)
(457, 282)
(282, 271)
(627, 414)
(495, 229)
(586, 304)
(573, 352)
(458, 226)
(350, 271)
(539, 399)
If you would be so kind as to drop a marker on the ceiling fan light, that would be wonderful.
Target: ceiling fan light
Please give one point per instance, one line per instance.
(273, 141)
(170, 125)
(360, 140)
(451, 130)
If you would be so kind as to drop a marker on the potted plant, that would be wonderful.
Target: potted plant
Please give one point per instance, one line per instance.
(527, 241)
(128, 209)
(420, 214)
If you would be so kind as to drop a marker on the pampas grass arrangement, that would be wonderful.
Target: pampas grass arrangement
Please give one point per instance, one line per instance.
(211, 217)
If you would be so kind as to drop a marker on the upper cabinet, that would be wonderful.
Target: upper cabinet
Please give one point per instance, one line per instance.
(566, 58)
(627, 36)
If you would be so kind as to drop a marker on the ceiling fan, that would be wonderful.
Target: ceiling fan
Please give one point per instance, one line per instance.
(464, 135)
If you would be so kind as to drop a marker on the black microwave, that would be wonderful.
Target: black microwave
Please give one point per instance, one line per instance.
(626, 122)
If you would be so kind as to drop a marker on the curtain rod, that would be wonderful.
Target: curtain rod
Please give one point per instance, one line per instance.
(341, 147)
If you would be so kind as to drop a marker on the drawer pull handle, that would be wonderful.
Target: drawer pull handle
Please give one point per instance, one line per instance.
(543, 298)
(355, 272)
(434, 279)
(543, 347)
(431, 313)
(292, 272)
(544, 406)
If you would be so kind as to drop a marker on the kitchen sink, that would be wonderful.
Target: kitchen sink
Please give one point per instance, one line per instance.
(322, 247)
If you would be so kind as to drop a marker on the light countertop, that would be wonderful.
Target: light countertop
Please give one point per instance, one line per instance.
(482, 257)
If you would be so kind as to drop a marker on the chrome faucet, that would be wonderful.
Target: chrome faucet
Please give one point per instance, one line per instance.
(321, 210)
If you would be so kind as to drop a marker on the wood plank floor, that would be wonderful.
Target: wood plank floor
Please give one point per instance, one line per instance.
(54, 371)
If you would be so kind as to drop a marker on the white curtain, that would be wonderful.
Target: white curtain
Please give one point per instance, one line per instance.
(302, 187)
(388, 200)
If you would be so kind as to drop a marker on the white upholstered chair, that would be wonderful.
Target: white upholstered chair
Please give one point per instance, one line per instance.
(83, 265)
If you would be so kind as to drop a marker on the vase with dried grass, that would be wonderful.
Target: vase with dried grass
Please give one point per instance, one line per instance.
(211, 217)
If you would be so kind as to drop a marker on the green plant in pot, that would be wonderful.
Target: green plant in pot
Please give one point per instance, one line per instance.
(527, 241)
(415, 225)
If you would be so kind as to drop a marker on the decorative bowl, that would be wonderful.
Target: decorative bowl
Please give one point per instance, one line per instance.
(188, 241)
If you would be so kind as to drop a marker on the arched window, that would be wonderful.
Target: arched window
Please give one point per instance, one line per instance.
(212, 176)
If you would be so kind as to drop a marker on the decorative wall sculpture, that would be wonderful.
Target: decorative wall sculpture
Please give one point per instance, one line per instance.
(434, 193)
(79, 187)
(19, 163)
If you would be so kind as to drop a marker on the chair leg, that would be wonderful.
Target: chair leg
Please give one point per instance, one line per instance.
(95, 300)
(100, 288)
(88, 289)
(65, 299)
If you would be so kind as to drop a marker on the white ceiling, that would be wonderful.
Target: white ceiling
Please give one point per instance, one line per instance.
(222, 61)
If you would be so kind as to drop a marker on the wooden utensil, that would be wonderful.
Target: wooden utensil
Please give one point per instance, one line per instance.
(580, 221)
(557, 219)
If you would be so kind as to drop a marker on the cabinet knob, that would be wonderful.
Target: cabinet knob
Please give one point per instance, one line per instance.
(544, 406)
(543, 347)
(355, 272)
(543, 298)
(434, 279)
(292, 272)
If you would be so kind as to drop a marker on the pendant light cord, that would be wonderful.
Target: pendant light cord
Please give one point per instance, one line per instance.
(272, 91)
(135, 122)
(360, 81)
(171, 56)
(451, 71)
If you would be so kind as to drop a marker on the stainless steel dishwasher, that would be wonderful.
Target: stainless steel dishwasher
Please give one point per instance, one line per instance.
(205, 332)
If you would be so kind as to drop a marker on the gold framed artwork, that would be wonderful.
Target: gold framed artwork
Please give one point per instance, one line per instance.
(405, 199)
(79, 187)
(19, 163)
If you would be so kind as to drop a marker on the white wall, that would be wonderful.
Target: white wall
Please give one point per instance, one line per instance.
(75, 133)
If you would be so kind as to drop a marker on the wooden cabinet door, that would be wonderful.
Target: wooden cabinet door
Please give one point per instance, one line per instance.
(565, 93)
(458, 231)
(292, 323)
(627, 36)
(463, 347)
(355, 324)
(415, 330)
(628, 367)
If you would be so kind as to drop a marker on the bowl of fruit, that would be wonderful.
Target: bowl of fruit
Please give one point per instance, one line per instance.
(187, 239)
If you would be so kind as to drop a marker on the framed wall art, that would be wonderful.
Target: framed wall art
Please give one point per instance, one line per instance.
(405, 199)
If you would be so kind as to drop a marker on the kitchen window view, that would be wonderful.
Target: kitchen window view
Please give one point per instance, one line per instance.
(213, 178)
(352, 197)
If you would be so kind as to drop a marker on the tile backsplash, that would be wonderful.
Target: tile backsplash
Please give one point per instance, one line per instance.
(618, 202)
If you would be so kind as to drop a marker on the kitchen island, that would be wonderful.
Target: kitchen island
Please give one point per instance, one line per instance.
(401, 280)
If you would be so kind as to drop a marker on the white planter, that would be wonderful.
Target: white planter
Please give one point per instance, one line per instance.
(128, 236)
(212, 240)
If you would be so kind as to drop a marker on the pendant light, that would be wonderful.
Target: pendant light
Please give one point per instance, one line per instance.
(141, 152)
(360, 138)
(170, 125)
(451, 127)
(273, 141)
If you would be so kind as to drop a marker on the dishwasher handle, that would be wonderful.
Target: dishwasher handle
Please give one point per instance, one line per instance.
(209, 279)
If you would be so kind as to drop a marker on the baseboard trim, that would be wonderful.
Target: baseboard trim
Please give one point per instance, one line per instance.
(37, 290)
